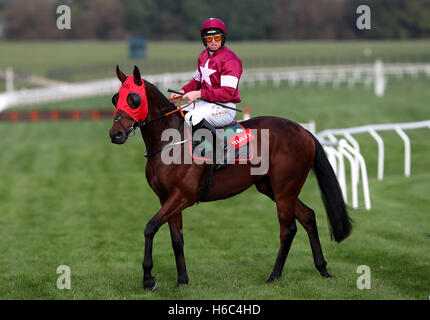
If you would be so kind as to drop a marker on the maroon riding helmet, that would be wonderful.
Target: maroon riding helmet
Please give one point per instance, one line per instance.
(213, 26)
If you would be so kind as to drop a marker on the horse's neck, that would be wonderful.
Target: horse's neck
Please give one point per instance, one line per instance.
(159, 105)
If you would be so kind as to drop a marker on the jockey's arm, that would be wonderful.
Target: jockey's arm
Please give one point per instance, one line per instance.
(194, 84)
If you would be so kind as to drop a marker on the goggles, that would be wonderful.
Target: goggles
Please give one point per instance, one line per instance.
(216, 37)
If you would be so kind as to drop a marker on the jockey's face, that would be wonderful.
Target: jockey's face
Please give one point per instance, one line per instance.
(214, 45)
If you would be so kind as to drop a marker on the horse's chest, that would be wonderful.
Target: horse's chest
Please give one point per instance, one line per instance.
(155, 181)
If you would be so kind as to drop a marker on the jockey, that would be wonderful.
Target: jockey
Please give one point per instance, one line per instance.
(215, 80)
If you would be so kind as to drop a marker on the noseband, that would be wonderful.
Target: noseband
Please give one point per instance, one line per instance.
(131, 129)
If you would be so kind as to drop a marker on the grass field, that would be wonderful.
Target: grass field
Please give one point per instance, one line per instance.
(68, 196)
(81, 60)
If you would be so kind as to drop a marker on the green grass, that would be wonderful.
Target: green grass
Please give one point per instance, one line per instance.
(81, 60)
(69, 196)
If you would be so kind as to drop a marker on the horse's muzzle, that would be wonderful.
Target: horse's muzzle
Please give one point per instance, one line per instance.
(118, 136)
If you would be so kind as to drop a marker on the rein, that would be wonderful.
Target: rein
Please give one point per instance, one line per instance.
(141, 125)
(132, 128)
(145, 122)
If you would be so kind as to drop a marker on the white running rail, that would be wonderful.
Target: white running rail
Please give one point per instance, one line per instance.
(339, 143)
(350, 74)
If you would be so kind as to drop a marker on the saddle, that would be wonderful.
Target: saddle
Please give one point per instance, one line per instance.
(237, 146)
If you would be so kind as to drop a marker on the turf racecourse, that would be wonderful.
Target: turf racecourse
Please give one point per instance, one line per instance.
(70, 197)
(87, 60)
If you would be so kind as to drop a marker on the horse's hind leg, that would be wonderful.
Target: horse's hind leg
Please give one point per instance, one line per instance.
(288, 230)
(175, 225)
(306, 217)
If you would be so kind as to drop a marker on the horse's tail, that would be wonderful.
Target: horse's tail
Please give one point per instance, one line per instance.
(331, 193)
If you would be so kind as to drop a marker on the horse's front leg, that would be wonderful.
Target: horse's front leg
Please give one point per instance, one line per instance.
(173, 206)
(175, 225)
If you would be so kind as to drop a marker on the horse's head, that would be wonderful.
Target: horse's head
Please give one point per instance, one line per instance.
(131, 106)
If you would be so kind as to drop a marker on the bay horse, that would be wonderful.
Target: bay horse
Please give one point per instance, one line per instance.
(293, 152)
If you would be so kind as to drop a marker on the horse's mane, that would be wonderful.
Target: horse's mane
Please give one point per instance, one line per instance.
(164, 105)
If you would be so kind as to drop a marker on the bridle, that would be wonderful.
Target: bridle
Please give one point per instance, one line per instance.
(135, 124)
(129, 130)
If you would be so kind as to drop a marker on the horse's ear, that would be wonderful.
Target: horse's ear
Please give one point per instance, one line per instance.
(137, 77)
(120, 74)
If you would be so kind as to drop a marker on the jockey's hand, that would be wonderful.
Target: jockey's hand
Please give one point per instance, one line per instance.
(176, 96)
(192, 96)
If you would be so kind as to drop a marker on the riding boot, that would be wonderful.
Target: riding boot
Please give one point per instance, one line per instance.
(218, 141)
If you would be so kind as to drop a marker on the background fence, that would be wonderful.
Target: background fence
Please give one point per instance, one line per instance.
(340, 144)
(367, 74)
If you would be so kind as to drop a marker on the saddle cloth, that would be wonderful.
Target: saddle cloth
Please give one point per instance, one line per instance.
(237, 145)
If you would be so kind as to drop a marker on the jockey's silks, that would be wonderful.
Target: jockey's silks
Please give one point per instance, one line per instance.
(217, 76)
(129, 86)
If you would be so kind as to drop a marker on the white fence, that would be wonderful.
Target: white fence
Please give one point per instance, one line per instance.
(349, 74)
(85, 89)
(368, 74)
(340, 144)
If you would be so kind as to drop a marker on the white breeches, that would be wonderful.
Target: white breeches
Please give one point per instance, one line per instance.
(214, 114)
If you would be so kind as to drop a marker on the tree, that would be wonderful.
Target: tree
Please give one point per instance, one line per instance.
(97, 19)
(31, 20)
(245, 20)
(393, 19)
(252, 19)
(165, 19)
(155, 19)
(3, 3)
(318, 19)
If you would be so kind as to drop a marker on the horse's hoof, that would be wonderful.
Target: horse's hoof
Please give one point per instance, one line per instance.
(149, 284)
(272, 279)
(326, 275)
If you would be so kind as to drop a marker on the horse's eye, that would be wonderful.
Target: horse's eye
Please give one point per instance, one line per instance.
(134, 100)
(115, 99)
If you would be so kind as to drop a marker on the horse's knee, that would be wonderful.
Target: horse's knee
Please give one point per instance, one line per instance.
(310, 218)
(151, 229)
(305, 215)
(292, 229)
(288, 232)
